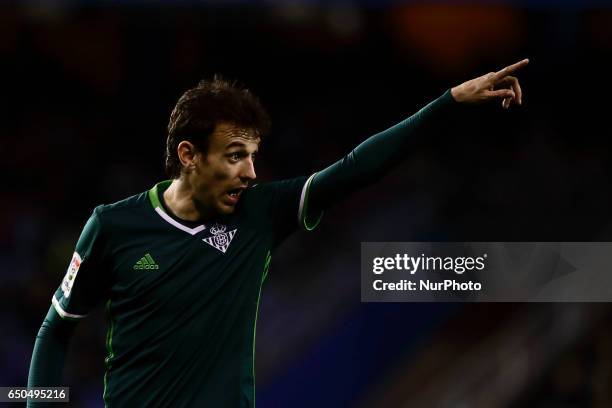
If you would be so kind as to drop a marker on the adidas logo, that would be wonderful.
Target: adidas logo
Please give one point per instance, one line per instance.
(146, 262)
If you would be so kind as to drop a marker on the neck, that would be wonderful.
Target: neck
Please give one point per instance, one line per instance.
(181, 200)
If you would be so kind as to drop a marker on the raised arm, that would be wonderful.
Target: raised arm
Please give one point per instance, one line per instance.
(377, 155)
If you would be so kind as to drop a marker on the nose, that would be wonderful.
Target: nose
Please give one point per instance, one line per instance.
(248, 171)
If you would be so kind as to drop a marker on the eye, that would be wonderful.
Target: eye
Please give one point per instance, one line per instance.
(234, 157)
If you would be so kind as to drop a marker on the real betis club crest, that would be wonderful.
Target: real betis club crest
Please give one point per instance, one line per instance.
(220, 239)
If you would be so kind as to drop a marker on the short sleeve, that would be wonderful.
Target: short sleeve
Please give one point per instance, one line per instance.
(85, 283)
(287, 206)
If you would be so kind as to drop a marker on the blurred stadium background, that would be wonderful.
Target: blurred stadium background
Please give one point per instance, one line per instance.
(86, 93)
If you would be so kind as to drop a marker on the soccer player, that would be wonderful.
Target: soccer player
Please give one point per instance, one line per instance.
(180, 267)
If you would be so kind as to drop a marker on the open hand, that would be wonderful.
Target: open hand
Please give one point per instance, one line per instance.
(494, 85)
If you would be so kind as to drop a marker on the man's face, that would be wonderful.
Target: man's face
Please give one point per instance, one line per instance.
(224, 171)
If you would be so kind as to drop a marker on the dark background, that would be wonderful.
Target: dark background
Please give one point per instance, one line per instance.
(87, 88)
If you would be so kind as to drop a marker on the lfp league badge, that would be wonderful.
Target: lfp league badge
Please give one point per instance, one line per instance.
(71, 274)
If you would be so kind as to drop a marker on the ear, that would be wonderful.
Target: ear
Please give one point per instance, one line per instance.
(187, 155)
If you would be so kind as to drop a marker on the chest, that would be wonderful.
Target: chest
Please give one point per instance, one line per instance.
(156, 264)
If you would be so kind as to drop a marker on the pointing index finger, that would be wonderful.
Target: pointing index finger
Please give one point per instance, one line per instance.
(511, 69)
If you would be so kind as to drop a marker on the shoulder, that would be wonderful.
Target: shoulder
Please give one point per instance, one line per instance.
(268, 191)
(127, 204)
(126, 207)
(273, 187)
(274, 195)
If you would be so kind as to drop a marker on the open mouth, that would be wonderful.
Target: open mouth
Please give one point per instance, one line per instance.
(234, 193)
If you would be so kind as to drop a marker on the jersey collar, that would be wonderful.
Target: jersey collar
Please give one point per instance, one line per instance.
(153, 194)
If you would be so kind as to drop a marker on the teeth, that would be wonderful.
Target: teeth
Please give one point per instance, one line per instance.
(235, 192)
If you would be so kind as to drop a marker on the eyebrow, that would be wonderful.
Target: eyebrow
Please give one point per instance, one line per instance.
(235, 144)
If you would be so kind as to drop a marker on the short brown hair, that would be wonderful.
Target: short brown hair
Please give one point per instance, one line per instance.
(200, 109)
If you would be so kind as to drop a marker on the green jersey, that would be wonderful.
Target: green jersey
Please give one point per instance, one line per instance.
(182, 298)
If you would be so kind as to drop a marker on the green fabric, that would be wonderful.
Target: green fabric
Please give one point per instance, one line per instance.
(109, 350)
(263, 277)
(309, 220)
(154, 193)
(49, 354)
(181, 334)
(376, 156)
